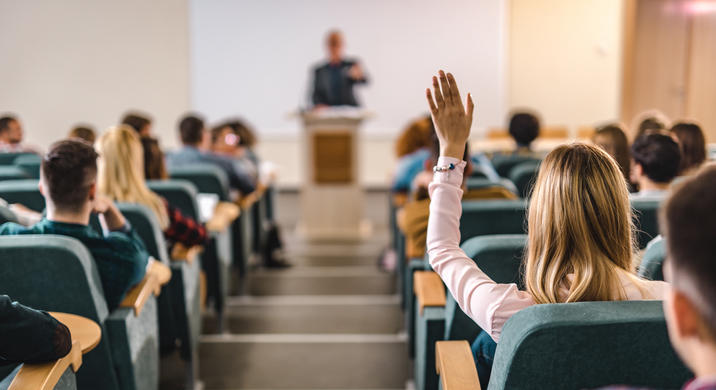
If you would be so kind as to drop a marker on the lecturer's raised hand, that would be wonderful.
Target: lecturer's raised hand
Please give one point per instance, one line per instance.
(451, 118)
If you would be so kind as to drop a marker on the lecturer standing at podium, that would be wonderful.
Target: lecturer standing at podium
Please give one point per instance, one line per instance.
(333, 81)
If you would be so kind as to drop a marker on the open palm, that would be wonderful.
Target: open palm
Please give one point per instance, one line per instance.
(452, 120)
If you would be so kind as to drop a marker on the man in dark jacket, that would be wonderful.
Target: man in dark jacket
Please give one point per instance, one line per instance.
(333, 81)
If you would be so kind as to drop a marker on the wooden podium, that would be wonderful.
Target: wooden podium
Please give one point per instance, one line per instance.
(331, 194)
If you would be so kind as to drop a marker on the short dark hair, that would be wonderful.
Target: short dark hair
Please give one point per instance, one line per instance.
(648, 125)
(136, 121)
(658, 155)
(688, 220)
(191, 129)
(5, 122)
(524, 128)
(68, 170)
(692, 144)
(83, 132)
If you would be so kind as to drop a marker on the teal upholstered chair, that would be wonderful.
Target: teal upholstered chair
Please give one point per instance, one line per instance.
(500, 257)
(483, 217)
(178, 305)
(646, 219)
(210, 179)
(504, 163)
(652, 263)
(57, 273)
(30, 163)
(24, 192)
(216, 258)
(587, 345)
(9, 158)
(523, 175)
(11, 172)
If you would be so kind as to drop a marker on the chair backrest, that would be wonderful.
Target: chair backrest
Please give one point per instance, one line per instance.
(587, 345)
(11, 172)
(57, 273)
(486, 217)
(646, 219)
(179, 193)
(652, 263)
(207, 178)
(523, 175)
(478, 183)
(24, 192)
(504, 163)
(9, 158)
(146, 224)
(30, 163)
(500, 257)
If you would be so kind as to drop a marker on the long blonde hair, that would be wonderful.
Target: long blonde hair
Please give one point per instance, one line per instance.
(121, 171)
(579, 228)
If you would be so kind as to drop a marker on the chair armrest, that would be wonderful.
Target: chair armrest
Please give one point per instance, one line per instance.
(83, 330)
(46, 375)
(182, 253)
(157, 275)
(456, 366)
(429, 289)
(224, 214)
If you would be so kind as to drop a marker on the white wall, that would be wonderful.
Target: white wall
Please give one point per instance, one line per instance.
(565, 59)
(69, 61)
(252, 58)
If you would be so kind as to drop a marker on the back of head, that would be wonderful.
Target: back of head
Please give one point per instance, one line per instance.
(659, 157)
(650, 121)
(136, 121)
(416, 136)
(191, 130)
(247, 137)
(614, 141)
(524, 128)
(692, 144)
(83, 132)
(579, 223)
(688, 220)
(154, 167)
(68, 171)
(5, 122)
(121, 170)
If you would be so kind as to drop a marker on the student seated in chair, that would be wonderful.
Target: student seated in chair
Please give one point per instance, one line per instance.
(11, 136)
(68, 182)
(194, 139)
(655, 163)
(692, 145)
(121, 178)
(524, 128)
(30, 336)
(689, 222)
(580, 243)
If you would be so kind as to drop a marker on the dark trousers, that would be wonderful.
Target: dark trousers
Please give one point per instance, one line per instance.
(483, 350)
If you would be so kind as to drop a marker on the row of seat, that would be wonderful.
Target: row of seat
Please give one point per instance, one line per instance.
(132, 337)
(493, 234)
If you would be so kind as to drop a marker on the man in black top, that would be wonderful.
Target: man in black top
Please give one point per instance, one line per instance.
(333, 81)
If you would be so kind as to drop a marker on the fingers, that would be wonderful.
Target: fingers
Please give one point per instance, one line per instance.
(454, 93)
(431, 103)
(470, 109)
(445, 86)
(438, 95)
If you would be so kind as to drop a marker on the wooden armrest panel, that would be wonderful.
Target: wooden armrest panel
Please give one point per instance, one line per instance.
(182, 253)
(46, 375)
(224, 214)
(429, 289)
(137, 296)
(83, 330)
(161, 271)
(456, 365)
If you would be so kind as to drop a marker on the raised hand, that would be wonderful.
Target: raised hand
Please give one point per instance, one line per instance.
(452, 120)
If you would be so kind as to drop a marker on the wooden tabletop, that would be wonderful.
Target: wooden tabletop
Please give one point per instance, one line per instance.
(83, 330)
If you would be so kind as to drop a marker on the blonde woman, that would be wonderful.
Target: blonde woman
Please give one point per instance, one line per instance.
(580, 240)
(121, 178)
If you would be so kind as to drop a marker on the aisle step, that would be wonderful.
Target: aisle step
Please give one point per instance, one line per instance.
(301, 361)
(320, 282)
(377, 314)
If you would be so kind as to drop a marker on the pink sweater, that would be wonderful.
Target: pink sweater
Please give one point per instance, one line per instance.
(489, 304)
